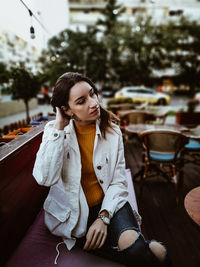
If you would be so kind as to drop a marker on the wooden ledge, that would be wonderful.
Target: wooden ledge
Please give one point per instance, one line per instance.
(14, 145)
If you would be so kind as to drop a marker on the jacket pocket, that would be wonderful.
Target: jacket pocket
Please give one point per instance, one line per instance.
(56, 209)
(56, 216)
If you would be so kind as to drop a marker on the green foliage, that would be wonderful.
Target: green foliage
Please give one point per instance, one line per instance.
(4, 73)
(25, 85)
(171, 113)
(77, 52)
(111, 13)
(180, 44)
(118, 54)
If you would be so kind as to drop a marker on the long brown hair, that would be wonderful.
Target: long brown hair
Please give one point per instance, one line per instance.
(61, 97)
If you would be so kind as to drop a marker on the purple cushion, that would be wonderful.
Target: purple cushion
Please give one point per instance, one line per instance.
(38, 249)
(131, 190)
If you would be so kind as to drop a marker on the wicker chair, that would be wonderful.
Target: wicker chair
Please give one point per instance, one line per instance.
(163, 155)
(137, 116)
(192, 151)
(134, 117)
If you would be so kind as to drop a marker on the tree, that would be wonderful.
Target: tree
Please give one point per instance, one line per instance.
(111, 14)
(85, 52)
(138, 58)
(74, 51)
(4, 73)
(25, 86)
(118, 53)
(111, 29)
(187, 53)
(179, 47)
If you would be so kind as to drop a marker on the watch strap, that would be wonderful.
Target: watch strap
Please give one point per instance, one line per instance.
(104, 218)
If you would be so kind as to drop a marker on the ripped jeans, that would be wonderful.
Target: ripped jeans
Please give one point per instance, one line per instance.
(137, 254)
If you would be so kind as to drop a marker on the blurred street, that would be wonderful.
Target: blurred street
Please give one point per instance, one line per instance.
(22, 115)
(177, 103)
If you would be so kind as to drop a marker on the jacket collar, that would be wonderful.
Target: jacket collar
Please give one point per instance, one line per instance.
(69, 129)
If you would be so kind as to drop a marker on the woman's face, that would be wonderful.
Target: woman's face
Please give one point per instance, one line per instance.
(83, 103)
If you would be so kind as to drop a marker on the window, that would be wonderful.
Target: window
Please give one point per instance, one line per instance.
(176, 12)
(132, 91)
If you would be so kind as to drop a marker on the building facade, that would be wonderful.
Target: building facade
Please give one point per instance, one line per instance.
(14, 50)
(83, 13)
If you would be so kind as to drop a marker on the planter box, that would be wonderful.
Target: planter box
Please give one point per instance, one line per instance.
(17, 133)
(188, 119)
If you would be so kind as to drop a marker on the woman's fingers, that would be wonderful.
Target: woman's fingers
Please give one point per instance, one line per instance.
(60, 121)
(58, 114)
(102, 240)
(88, 239)
(95, 239)
(96, 235)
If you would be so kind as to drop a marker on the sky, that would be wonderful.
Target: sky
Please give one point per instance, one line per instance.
(15, 17)
(53, 15)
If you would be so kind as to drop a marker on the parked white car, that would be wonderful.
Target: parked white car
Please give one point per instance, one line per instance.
(143, 94)
(197, 97)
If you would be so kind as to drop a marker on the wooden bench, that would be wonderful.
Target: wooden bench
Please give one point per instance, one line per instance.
(21, 207)
(21, 198)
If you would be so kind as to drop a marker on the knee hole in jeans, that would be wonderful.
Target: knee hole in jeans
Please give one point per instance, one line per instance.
(158, 250)
(127, 238)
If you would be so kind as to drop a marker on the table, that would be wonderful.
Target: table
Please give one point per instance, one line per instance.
(138, 128)
(116, 108)
(160, 113)
(122, 113)
(192, 204)
(193, 133)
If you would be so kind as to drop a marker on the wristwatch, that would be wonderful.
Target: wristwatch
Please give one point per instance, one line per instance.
(105, 219)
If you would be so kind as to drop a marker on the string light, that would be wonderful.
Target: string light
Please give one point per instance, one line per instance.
(32, 30)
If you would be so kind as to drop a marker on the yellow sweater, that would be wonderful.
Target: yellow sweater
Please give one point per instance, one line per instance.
(93, 191)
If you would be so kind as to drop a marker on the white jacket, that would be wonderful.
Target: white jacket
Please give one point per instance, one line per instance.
(58, 164)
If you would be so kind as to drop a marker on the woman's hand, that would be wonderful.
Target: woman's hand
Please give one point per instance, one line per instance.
(96, 235)
(61, 121)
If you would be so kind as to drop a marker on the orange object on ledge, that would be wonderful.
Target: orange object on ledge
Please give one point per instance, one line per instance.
(17, 133)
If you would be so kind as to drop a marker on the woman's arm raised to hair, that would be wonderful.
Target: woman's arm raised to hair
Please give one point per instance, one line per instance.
(61, 121)
(49, 159)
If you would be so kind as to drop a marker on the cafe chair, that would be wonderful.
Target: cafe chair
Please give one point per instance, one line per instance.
(134, 117)
(162, 155)
(192, 150)
(115, 108)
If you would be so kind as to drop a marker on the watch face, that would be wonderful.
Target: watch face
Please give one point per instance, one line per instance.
(105, 219)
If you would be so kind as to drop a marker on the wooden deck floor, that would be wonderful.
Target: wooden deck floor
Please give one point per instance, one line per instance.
(163, 220)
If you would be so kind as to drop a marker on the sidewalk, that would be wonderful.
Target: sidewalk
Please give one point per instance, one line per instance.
(45, 109)
(20, 116)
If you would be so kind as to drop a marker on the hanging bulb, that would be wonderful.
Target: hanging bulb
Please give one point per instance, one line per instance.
(32, 32)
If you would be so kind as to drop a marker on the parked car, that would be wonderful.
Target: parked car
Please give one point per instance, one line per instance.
(107, 91)
(143, 94)
(197, 97)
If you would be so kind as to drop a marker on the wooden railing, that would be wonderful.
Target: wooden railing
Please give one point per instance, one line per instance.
(21, 197)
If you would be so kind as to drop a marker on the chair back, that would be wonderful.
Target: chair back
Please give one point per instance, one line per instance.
(137, 117)
(134, 117)
(163, 141)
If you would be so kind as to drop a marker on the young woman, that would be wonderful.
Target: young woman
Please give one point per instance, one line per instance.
(81, 159)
